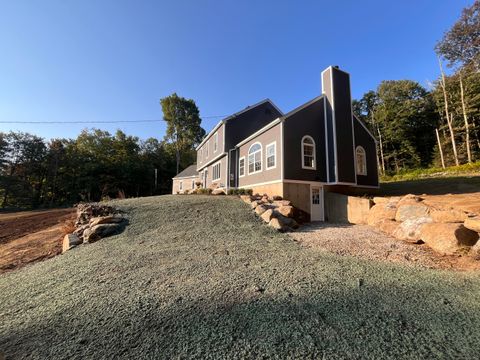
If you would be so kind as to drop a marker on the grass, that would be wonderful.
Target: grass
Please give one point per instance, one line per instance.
(202, 277)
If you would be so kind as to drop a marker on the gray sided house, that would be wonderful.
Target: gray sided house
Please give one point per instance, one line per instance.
(319, 146)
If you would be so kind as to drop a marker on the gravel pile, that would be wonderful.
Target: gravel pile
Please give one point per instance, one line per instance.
(203, 277)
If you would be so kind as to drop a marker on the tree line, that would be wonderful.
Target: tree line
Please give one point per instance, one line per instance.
(440, 126)
(97, 165)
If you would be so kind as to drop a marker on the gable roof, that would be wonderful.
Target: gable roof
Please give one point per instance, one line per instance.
(225, 120)
(190, 171)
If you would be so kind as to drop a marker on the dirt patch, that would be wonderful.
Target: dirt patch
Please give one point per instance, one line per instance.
(18, 224)
(366, 242)
(31, 236)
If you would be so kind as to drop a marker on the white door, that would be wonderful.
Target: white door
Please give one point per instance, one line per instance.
(316, 203)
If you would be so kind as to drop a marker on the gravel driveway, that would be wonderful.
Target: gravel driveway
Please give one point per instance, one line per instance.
(203, 277)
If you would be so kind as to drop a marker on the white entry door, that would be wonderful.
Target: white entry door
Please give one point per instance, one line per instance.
(316, 203)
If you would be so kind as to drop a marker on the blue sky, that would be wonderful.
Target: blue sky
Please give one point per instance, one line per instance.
(113, 60)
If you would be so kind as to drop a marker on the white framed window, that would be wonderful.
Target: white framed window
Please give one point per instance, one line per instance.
(361, 159)
(215, 142)
(308, 153)
(206, 148)
(271, 157)
(180, 185)
(255, 158)
(216, 171)
(241, 166)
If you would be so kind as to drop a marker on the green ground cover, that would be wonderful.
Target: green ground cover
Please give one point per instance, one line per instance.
(202, 277)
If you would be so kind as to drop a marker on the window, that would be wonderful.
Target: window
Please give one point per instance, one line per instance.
(180, 186)
(308, 153)
(255, 158)
(216, 172)
(215, 142)
(206, 148)
(361, 159)
(241, 167)
(193, 184)
(271, 157)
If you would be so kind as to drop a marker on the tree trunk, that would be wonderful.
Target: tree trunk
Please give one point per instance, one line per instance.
(448, 115)
(440, 148)
(381, 149)
(465, 119)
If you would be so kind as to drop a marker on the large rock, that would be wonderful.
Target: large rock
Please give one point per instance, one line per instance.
(276, 224)
(408, 211)
(409, 230)
(408, 200)
(246, 198)
(218, 192)
(255, 203)
(268, 215)
(112, 219)
(260, 209)
(473, 224)
(387, 226)
(475, 251)
(70, 241)
(448, 216)
(100, 231)
(286, 210)
(282, 203)
(287, 222)
(358, 209)
(448, 238)
(380, 212)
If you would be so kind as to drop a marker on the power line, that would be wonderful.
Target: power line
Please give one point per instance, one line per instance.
(99, 122)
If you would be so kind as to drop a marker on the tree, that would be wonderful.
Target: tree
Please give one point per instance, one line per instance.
(183, 124)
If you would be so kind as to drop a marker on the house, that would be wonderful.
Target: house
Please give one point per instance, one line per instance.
(320, 146)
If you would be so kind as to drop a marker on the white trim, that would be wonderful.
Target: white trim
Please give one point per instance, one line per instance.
(327, 160)
(365, 127)
(219, 172)
(282, 151)
(260, 184)
(303, 106)
(261, 158)
(259, 132)
(215, 142)
(185, 177)
(291, 181)
(244, 167)
(342, 183)
(369, 186)
(314, 153)
(211, 161)
(274, 143)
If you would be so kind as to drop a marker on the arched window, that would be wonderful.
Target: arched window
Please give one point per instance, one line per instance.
(255, 158)
(361, 159)
(308, 153)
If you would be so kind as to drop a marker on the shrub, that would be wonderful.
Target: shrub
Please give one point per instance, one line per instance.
(204, 191)
(240, 191)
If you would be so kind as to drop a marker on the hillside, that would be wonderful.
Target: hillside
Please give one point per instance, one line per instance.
(197, 276)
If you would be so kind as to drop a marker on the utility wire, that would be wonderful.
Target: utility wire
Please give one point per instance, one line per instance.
(98, 122)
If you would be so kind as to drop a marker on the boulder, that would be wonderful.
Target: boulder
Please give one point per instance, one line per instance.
(448, 238)
(409, 230)
(282, 203)
(79, 231)
(473, 224)
(276, 197)
(112, 219)
(218, 192)
(380, 200)
(276, 224)
(254, 204)
(387, 226)
(475, 251)
(408, 200)
(100, 231)
(381, 212)
(448, 216)
(268, 215)
(70, 241)
(410, 210)
(287, 222)
(286, 210)
(246, 198)
(260, 209)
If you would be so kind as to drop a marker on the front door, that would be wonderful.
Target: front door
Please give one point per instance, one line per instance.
(316, 203)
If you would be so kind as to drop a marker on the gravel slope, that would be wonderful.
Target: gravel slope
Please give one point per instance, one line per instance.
(195, 276)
